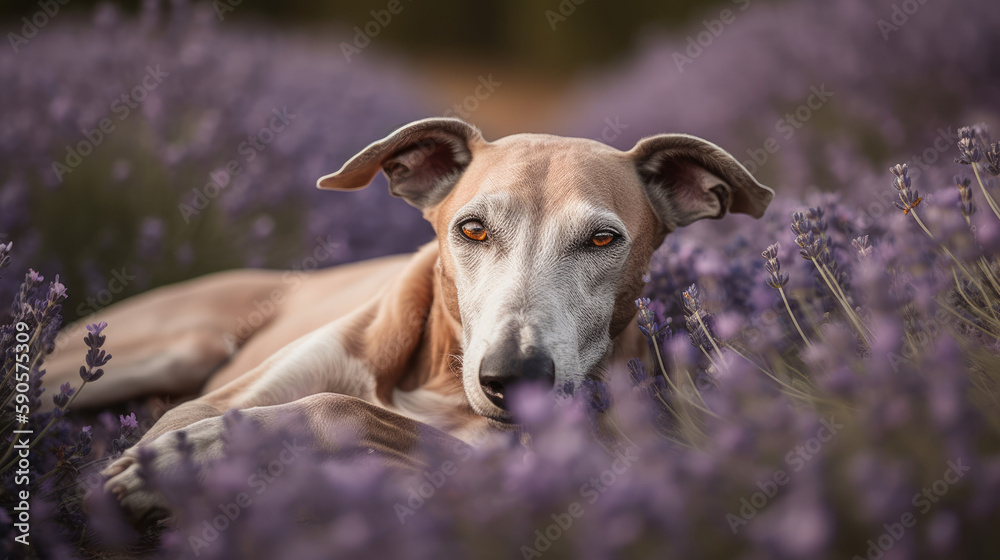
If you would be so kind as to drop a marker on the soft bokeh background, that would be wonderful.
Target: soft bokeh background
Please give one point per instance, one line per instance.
(725, 70)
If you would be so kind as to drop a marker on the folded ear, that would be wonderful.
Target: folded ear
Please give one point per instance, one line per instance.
(688, 179)
(422, 160)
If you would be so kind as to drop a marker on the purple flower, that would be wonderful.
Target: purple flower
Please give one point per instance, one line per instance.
(810, 233)
(697, 319)
(862, 246)
(992, 155)
(648, 325)
(96, 358)
(128, 421)
(909, 198)
(968, 147)
(775, 278)
(65, 392)
(5, 253)
(57, 291)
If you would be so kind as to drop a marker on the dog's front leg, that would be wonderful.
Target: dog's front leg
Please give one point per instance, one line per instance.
(338, 427)
(315, 363)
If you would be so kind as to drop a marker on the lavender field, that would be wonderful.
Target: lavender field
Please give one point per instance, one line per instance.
(826, 380)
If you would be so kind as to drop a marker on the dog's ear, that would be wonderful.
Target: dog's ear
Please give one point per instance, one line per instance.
(689, 179)
(422, 160)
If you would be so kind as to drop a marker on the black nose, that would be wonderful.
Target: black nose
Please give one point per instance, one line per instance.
(505, 366)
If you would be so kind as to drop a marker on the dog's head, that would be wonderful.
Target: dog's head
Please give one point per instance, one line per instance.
(543, 239)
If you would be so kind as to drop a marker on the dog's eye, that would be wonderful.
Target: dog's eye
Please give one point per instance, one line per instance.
(602, 238)
(474, 230)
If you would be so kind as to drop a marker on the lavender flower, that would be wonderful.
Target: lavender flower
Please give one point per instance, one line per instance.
(597, 394)
(653, 331)
(863, 247)
(127, 426)
(96, 358)
(225, 99)
(909, 198)
(968, 147)
(810, 233)
(5, 253)
(699, 458)
(775, 278)
(62, 398)
(697, 319)
(129, 422)
(992, 155)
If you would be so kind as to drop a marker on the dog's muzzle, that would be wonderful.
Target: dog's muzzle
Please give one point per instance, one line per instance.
(505, 366)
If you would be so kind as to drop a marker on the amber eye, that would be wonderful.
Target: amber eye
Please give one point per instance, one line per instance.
(474, 230)
(602, 238)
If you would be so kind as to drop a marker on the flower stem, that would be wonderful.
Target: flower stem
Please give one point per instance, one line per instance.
(711, 339)
(781, 291)
(676, 390)
(921, 224)
(989, 199)
(843, 300)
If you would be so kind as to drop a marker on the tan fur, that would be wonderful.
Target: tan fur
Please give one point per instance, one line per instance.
(376, 347)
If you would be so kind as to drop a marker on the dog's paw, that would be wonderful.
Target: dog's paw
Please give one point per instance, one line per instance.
(199, 443)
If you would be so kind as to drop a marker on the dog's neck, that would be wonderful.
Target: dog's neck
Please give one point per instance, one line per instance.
(407, 336)
(437, 363)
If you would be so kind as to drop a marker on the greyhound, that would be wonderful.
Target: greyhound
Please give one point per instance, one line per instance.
(542, 243)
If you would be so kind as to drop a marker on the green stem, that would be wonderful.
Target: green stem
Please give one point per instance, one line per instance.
(709, 356)
(989, 199)
(673, 387)
(781, 290)
(920, 223)
(972, 306)
(843, 302)
(712, 340)
(968, 274)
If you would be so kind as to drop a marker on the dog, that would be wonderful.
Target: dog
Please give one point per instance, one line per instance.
(542, 243)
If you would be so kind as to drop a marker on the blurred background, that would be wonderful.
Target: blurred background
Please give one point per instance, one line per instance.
(148, 142)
